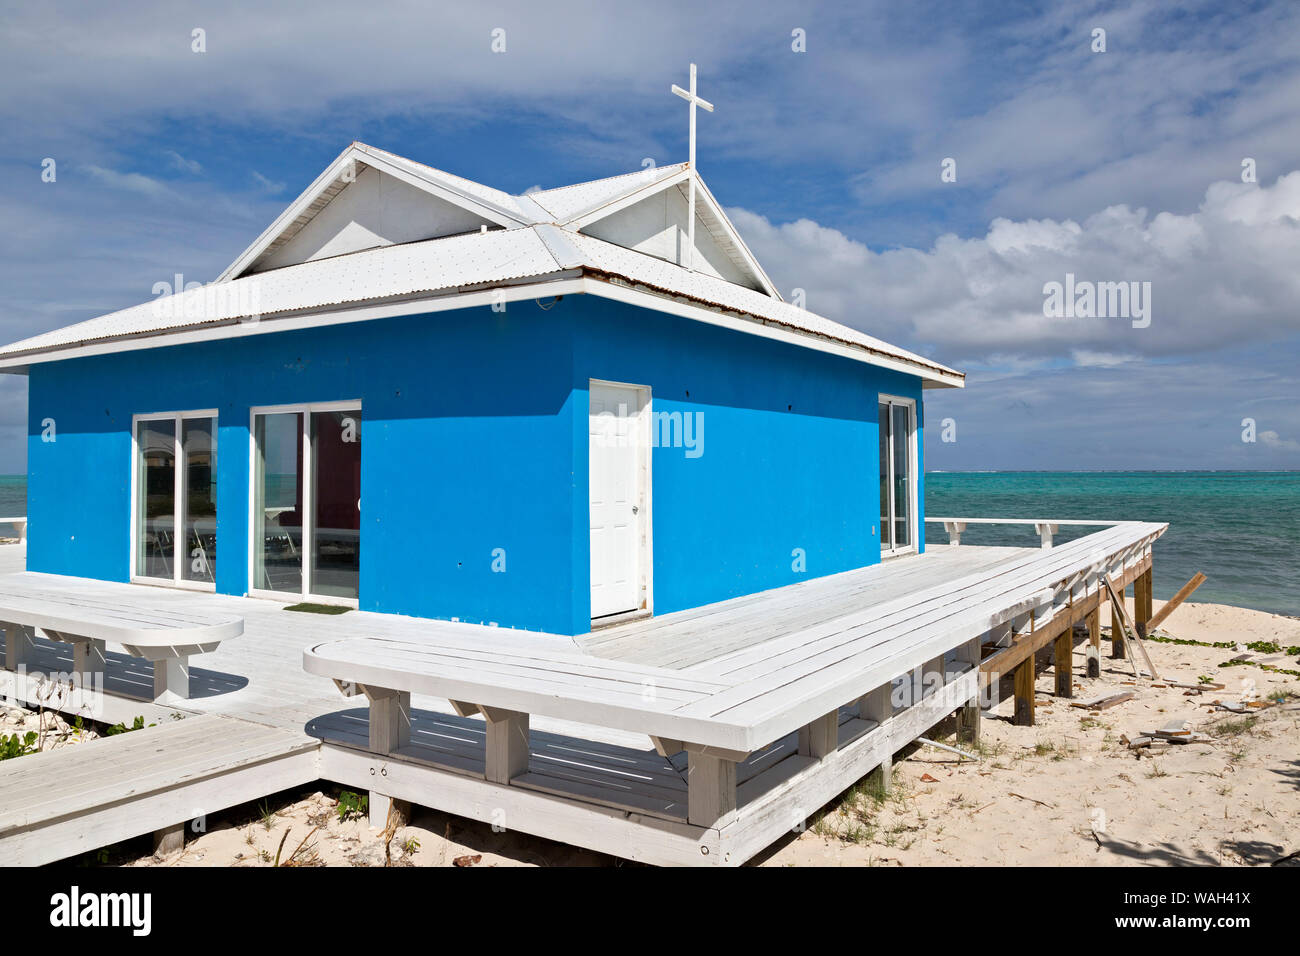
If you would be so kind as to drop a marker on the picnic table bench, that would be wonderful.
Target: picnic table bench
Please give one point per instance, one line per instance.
(88, 620)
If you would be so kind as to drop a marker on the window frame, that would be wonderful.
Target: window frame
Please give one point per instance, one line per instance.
(306, 409)
(914, 483)
(179, 491)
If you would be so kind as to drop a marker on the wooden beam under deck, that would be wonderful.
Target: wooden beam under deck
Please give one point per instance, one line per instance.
(1019, 657)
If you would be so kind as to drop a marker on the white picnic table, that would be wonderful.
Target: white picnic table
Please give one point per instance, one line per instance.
(88, 620)
(19, 525)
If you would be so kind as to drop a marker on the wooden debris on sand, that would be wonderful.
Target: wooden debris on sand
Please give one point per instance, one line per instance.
(1105, 702)
(1240, 706)
(1176, 732)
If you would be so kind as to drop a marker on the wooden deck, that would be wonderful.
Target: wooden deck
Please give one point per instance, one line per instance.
(770, 663)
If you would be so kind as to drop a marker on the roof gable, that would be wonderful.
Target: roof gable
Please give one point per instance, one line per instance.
(439, 201)
(647, 211)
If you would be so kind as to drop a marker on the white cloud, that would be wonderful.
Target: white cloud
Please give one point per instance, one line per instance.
(1222, 276)
(131, 182)
(267, 185)
(1278, 443)
(184, 164)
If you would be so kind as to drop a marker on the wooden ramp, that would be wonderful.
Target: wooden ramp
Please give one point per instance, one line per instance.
(58, 804)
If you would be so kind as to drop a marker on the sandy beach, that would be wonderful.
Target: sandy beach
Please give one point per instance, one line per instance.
(1067, 791)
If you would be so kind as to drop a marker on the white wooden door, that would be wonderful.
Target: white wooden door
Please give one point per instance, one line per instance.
(615, 491)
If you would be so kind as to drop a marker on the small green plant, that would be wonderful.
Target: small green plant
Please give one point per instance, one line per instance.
(410, 845)
(268, 816)
(1233, 728)
(352, 805)
(1205, 679)
(137, 724)
(18, 746)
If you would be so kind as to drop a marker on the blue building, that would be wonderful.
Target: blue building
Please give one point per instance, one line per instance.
(419, 395)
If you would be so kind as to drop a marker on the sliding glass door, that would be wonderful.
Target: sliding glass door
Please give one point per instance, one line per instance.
(307, 502)
(174, 522)
(897, 426)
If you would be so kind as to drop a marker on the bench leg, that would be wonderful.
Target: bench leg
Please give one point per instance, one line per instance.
(390, 729)
(505, 754)
(710, 790)
(88, 659)
(18, 645)
(171, 680)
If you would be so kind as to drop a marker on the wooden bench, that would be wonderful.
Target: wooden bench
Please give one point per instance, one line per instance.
(88, 620)
(722, 711)
(19, 525)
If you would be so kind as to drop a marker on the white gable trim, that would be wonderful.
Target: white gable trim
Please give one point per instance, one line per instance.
(359, 153)
(702, 197)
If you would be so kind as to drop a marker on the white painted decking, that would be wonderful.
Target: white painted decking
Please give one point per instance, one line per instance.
(762, 665)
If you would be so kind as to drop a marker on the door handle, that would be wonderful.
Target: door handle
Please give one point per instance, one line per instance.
(635, 510)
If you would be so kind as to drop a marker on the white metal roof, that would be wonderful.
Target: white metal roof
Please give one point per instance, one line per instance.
(533, 238)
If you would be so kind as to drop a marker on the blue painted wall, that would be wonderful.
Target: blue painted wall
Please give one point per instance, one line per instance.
(474, 438)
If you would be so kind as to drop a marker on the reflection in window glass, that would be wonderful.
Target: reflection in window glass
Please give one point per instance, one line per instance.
(278, 505)
(199, 446)
(336, 503)
(902, 477)
(156, 498)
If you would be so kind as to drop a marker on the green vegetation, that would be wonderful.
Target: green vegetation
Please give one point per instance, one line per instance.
(137, 724)
(352, 805)
(18, 746)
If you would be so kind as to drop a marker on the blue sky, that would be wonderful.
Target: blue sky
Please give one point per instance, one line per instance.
(1123, 165)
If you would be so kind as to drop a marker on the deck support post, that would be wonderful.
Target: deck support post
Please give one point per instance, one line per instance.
(968, 715)
(1142, 606)
(933, 677)
(1024, 678)
(879, 707)
(18, 645)
(710, 790)
(1064, 654)
(169, 840)
(390, 729)
(820, 738)
(1094, 641)
(171, 680)
(505, 754)
(1116, 629)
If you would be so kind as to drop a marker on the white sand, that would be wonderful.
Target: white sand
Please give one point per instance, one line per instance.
(1065, 791)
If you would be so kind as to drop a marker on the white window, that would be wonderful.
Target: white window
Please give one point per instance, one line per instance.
(898, 487)
(305, 502)
(174, 499)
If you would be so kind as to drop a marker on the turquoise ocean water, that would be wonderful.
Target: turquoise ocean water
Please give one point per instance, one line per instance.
(13, 496)
(1241, 528)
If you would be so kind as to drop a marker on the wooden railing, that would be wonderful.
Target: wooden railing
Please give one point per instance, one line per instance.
(1046, 528)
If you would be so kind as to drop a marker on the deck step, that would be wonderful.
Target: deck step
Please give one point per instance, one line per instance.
(57, 804)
